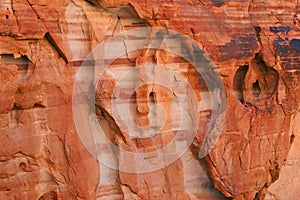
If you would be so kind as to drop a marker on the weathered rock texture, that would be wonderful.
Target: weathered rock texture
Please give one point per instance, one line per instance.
(255, 44)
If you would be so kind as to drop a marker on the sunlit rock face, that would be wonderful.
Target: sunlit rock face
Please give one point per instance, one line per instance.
(236, 95)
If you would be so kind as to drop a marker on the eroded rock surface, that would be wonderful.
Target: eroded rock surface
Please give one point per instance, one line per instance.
(254, 44)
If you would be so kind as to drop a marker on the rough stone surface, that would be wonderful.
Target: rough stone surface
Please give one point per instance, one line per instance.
(255, 44)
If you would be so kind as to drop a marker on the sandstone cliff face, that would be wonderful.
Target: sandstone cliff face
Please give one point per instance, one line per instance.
(255, 45)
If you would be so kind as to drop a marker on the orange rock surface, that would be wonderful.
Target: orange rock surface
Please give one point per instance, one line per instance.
(253, 44)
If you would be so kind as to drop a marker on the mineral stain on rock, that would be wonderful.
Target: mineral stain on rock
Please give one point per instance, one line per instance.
(280, 29)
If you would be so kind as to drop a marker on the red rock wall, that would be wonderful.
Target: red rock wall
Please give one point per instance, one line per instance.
(254, 44)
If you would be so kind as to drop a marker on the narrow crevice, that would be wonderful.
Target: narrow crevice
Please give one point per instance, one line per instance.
(102, 114)
(256, 90)
(256, 196)
(152, 97)
(38, 17)
(126, 52)
(16, 107)
(128, 186)
(93, 3)
(275, 171)
(118, 23)
(292, 139)
(202, 3)
(258, 31)
(56, 47)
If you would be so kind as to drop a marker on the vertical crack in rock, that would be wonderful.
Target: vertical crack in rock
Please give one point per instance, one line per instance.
(104, 115)
(38, 17)
(57, 48)
(130, 189)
